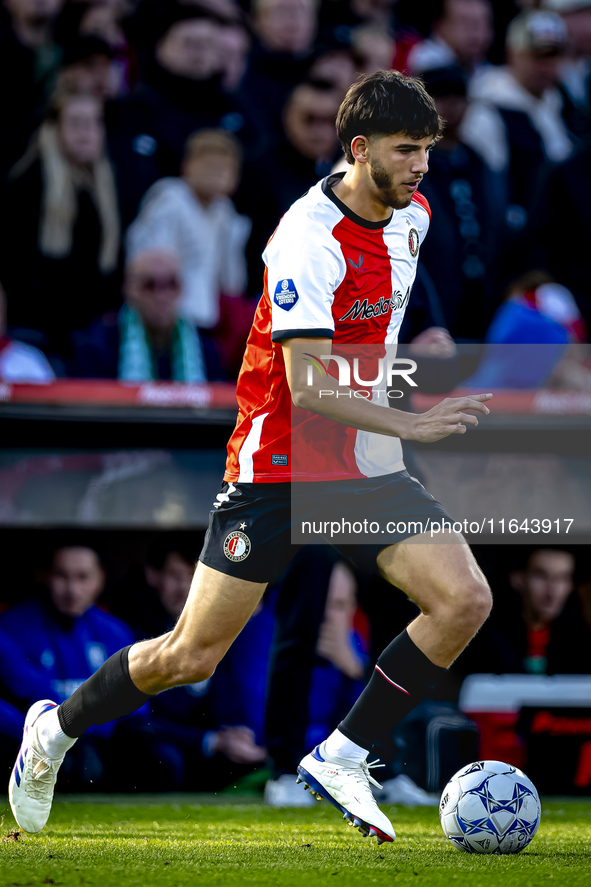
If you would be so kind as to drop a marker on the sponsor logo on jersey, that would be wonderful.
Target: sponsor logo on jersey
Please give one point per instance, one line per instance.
(413, 242)
(286, 295)
(237, 546)
(358, 264)
(279, 459)
(365, 311)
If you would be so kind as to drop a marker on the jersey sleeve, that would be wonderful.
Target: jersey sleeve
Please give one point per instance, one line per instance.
(304, 270)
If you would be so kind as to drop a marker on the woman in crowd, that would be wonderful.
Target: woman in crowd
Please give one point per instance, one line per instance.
(61, 238)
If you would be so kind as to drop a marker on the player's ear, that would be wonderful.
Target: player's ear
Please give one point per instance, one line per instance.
(360, 148)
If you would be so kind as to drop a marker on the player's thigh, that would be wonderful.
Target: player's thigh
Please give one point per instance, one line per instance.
(432, 574)
(217, 609)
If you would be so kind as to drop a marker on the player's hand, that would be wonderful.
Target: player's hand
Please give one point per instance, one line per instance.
(451, 416)
(238, 744)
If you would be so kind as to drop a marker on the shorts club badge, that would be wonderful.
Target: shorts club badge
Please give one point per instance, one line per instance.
(237, 546)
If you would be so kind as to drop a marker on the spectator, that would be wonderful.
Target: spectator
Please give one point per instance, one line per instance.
(374, 47)
(153, 597)
(66, 638)
(335, 62)
(317, 662)
(537, 627)
(337, 680)
(461, 253)
(211, 732)
(318, 659)
(29, 58)
(181, 92)
(86, 68)
(537, 312)
(461, 34)
(235, 46)
(145, 340)
(338, 14)
(194, 216)
(60, 237)
(575, 71)
(516, 121)
(103, 21)
(305, 153)
(285, 31)
(564, 193)
(20, 362)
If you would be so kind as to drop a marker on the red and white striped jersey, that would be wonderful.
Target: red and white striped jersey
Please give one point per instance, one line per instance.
(329, 274)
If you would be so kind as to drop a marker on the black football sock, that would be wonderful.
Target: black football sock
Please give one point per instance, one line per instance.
(402, 678)
(108, 694)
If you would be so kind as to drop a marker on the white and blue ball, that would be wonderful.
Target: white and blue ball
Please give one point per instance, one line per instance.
(490, 807)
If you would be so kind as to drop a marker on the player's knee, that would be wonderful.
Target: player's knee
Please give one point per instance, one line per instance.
(190, 666)
(197, 667)
(471, 606)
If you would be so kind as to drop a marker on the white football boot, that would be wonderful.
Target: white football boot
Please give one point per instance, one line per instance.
(33, 778)
(347, 785)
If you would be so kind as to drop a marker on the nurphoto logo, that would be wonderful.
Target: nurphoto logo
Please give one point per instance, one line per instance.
(387, 369)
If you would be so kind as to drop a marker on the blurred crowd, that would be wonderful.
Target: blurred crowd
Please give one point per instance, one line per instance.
(286, 682)
(148, 149)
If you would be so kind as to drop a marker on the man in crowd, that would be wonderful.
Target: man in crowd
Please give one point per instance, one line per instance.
(515, 122)
(146, 339)
(204, 734)
(64, 638)
(29, 58)
(575, 71)
(306, 151)
(86, 67)
(285, 30)
(469, 199)
(181, 92)
(461, 34)
(564, 192)
(316, 665)
(538, 628)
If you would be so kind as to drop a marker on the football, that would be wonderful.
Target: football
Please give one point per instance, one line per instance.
(490, 807)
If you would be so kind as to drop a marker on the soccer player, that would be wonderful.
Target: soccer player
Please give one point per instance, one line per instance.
(339, 269)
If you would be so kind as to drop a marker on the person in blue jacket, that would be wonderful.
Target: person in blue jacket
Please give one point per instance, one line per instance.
(210, 733)
(51, 644)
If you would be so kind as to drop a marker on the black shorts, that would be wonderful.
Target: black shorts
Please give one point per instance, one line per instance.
(250, 527)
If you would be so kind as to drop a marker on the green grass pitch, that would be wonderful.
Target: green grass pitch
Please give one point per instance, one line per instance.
(173, 841)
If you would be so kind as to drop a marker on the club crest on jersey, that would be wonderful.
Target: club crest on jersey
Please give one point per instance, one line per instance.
(286, 295)
(237, 546)
(413, 242)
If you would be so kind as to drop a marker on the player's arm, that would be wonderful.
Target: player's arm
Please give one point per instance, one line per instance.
(448, 417)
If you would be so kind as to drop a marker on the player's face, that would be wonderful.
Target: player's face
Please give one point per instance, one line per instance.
(396, 164)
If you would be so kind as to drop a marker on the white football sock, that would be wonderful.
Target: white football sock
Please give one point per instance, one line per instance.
(51, 737)
(338, 746)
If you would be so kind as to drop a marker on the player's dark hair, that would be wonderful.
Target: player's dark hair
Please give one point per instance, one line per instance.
(386, 103)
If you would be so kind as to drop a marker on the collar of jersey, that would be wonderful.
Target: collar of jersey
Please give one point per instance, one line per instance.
(333, 179)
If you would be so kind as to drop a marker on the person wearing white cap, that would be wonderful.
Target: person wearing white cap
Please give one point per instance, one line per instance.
(575, 71)
(515, 121)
